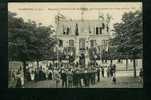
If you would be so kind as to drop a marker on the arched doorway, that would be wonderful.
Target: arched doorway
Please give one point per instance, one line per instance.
(82, 60)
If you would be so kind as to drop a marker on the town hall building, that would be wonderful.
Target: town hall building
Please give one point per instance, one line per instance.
(84, 41)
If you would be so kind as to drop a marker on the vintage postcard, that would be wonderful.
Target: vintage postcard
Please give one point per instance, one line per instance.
(75, 45)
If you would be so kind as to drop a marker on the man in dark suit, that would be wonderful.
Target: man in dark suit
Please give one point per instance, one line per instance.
(98, 74)
(102, 71)
(64, 79)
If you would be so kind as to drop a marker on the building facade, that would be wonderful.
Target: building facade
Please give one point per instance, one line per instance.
(82, 41)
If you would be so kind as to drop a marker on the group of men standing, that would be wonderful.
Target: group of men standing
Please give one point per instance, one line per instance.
(78, 78)
(71, 77)
(83, 77)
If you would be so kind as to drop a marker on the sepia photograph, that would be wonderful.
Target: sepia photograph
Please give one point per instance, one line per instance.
(75, 45)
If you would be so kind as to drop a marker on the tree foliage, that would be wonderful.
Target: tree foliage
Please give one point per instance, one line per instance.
(28, 40)
(128, 40)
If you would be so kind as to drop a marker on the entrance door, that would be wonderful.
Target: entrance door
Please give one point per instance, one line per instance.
(82, 60)
(82, 51)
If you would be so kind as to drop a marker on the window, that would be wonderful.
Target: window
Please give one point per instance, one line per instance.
(71, 43)
(92, 43)
(68, 29)
(100, 30)
(76, 30)
(82, 43)
(60, 43)
(107, 29)
(97, 30)
(105, 42)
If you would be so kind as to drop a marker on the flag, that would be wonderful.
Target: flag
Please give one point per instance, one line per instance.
(59, 17)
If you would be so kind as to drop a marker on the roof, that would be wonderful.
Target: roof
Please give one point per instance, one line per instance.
(84, 26)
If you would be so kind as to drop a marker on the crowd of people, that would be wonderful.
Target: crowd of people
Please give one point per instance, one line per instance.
(71, 76)
(18, 78)
(68, 75)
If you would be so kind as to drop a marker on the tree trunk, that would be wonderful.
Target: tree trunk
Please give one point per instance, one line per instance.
(134, 66)
(126, 64)
(24, 68)
(37, 63)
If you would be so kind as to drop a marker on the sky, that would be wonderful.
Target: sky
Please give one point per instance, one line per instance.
(45, 12)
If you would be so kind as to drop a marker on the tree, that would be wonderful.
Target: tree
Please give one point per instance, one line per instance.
(17, 39)
(42, 43)
(128, 41)
(28, 41)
